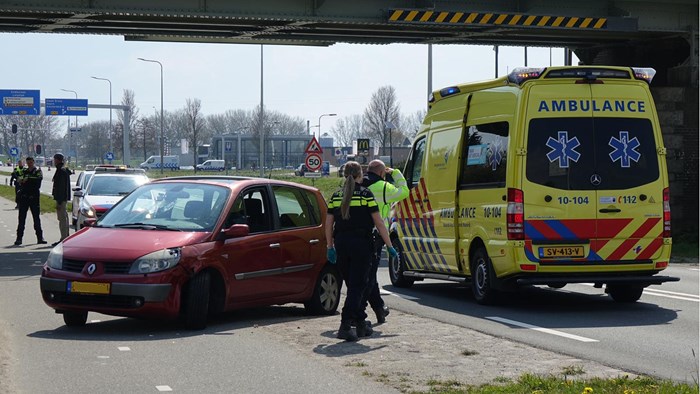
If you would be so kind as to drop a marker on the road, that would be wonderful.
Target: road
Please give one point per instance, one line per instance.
(657, 335)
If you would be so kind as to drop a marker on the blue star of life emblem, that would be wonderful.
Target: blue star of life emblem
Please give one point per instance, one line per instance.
(563, 149)
(624, 149)
(495, 156)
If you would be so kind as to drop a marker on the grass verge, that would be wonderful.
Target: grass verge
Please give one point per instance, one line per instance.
(533, 384)
(46, 204)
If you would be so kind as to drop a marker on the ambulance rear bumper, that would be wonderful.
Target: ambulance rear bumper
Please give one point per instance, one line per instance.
(640, 280)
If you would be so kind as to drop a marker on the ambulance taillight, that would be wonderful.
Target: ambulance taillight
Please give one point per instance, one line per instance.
(515, 214)
(667, 213)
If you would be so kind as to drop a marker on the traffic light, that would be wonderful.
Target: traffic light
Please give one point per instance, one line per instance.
(14, 128)
(38, 149)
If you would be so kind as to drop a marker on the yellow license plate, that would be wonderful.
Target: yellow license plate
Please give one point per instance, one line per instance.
(559, 252)
(88, 287)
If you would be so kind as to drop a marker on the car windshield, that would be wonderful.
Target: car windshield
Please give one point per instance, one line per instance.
(114, 185)
(169, 206)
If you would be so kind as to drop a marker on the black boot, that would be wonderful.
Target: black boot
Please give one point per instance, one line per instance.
(364, 328)
(40, 240)
(346, 332)
(18, 241)
(381, 313)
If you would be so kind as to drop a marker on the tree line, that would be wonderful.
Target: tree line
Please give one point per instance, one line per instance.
(382, 122)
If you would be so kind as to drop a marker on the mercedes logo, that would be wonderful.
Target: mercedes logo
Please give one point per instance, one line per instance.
(91, 268)
(595, 179)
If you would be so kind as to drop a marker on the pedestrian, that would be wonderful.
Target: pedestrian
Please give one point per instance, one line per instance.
(29, 194)
(61, 193)
(14, 179)
(352, 214)
(388, 186)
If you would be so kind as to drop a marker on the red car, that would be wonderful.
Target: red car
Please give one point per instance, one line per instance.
(190, 247)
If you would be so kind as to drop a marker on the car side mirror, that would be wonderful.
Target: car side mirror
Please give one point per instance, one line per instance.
(78, 192)
(236, 231)
(90, 222)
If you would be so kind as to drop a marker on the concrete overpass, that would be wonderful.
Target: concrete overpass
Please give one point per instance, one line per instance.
(649, 33)
(661, 34)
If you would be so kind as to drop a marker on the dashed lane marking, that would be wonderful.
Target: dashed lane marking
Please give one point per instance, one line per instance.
(164, 388)
(541, 329)
(124, 348)
(665, 294)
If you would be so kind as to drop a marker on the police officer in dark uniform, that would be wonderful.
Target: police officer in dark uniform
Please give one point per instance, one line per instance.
(30, 182)
(352, 214)
(14, 179)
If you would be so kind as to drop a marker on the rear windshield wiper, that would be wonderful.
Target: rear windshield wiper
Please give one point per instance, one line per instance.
(146, 226)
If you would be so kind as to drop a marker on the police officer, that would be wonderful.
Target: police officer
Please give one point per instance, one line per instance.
(388, 186)
(30, 182)
(61, 194)
(352, 213)
(14, 178)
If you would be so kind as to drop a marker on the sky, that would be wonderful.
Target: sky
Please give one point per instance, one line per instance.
(299, 81)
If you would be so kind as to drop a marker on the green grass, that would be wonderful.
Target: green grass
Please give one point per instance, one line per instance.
(46, 204)
(533, 384)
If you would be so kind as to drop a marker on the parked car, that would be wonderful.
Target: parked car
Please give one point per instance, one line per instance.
(191, 247)
(80, 185)
(301, 170)
(105, 188)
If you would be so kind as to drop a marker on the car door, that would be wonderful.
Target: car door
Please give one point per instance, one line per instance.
(252, 263)
(301, 237)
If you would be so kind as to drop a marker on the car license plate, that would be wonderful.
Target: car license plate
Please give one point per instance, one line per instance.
(561, 252)
(88, 287)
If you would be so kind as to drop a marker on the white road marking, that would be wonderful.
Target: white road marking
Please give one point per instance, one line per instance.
(664, 293)
(124, 348)
(164, 388)
(95, 321)
(405, 297)
(103, 357)
(541, 329)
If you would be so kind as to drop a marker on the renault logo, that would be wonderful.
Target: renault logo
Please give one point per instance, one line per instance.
(595, 179)
(91, 268)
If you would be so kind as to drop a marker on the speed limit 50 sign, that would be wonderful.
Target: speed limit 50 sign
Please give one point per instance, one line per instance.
(313, 162)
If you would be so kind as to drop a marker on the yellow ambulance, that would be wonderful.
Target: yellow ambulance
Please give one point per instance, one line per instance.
(546, 176)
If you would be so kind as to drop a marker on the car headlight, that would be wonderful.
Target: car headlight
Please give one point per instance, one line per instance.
(55, 259)
(86, 209)
(159, 260)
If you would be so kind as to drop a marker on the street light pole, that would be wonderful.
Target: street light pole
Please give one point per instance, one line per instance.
(70, 134)
(162, 138)
(319, 125)
(111, 131)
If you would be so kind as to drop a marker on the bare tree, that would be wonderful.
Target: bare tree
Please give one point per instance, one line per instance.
(383, 108)
(347, 129)
(195, 124)
(410, 124)
(129, 100)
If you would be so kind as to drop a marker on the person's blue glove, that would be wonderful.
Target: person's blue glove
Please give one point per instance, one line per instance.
(392, 252)
(331, 255)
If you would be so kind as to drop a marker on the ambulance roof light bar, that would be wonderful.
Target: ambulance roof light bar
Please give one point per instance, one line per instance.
(522, 74)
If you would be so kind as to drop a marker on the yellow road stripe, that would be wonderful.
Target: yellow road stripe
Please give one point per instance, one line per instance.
(471, 17)
(457, 16)
(441, 17)
(515, 20)
(543, 21)
(500, 19)
(600, 23)
(586, 22)
(572, 22)
(426, 16)
(529, 20)
(485, 19)
(558, 21)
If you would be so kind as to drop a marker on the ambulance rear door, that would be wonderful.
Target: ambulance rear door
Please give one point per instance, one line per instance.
(560, 203)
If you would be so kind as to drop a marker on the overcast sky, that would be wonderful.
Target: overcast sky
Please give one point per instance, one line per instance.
(298, 81)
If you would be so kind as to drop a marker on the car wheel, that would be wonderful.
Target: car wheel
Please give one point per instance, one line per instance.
(397, 266)
(195, 301)
(326, 295)
(75, 319)
(482, 288)
(624, 293)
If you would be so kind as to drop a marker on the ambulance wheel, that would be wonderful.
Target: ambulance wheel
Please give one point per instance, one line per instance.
(195, 301)
(481, 278)
(397, 266)
(624, 293)
(75, 319)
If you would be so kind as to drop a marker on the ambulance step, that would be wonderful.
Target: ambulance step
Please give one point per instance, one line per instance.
(429, 275)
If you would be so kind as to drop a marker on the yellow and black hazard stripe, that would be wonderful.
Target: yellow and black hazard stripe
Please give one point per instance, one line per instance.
(487, 19)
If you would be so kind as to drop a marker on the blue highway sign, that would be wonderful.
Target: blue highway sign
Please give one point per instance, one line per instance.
(66, 107)
(19, 102)
(14, 151)
(109, 156)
